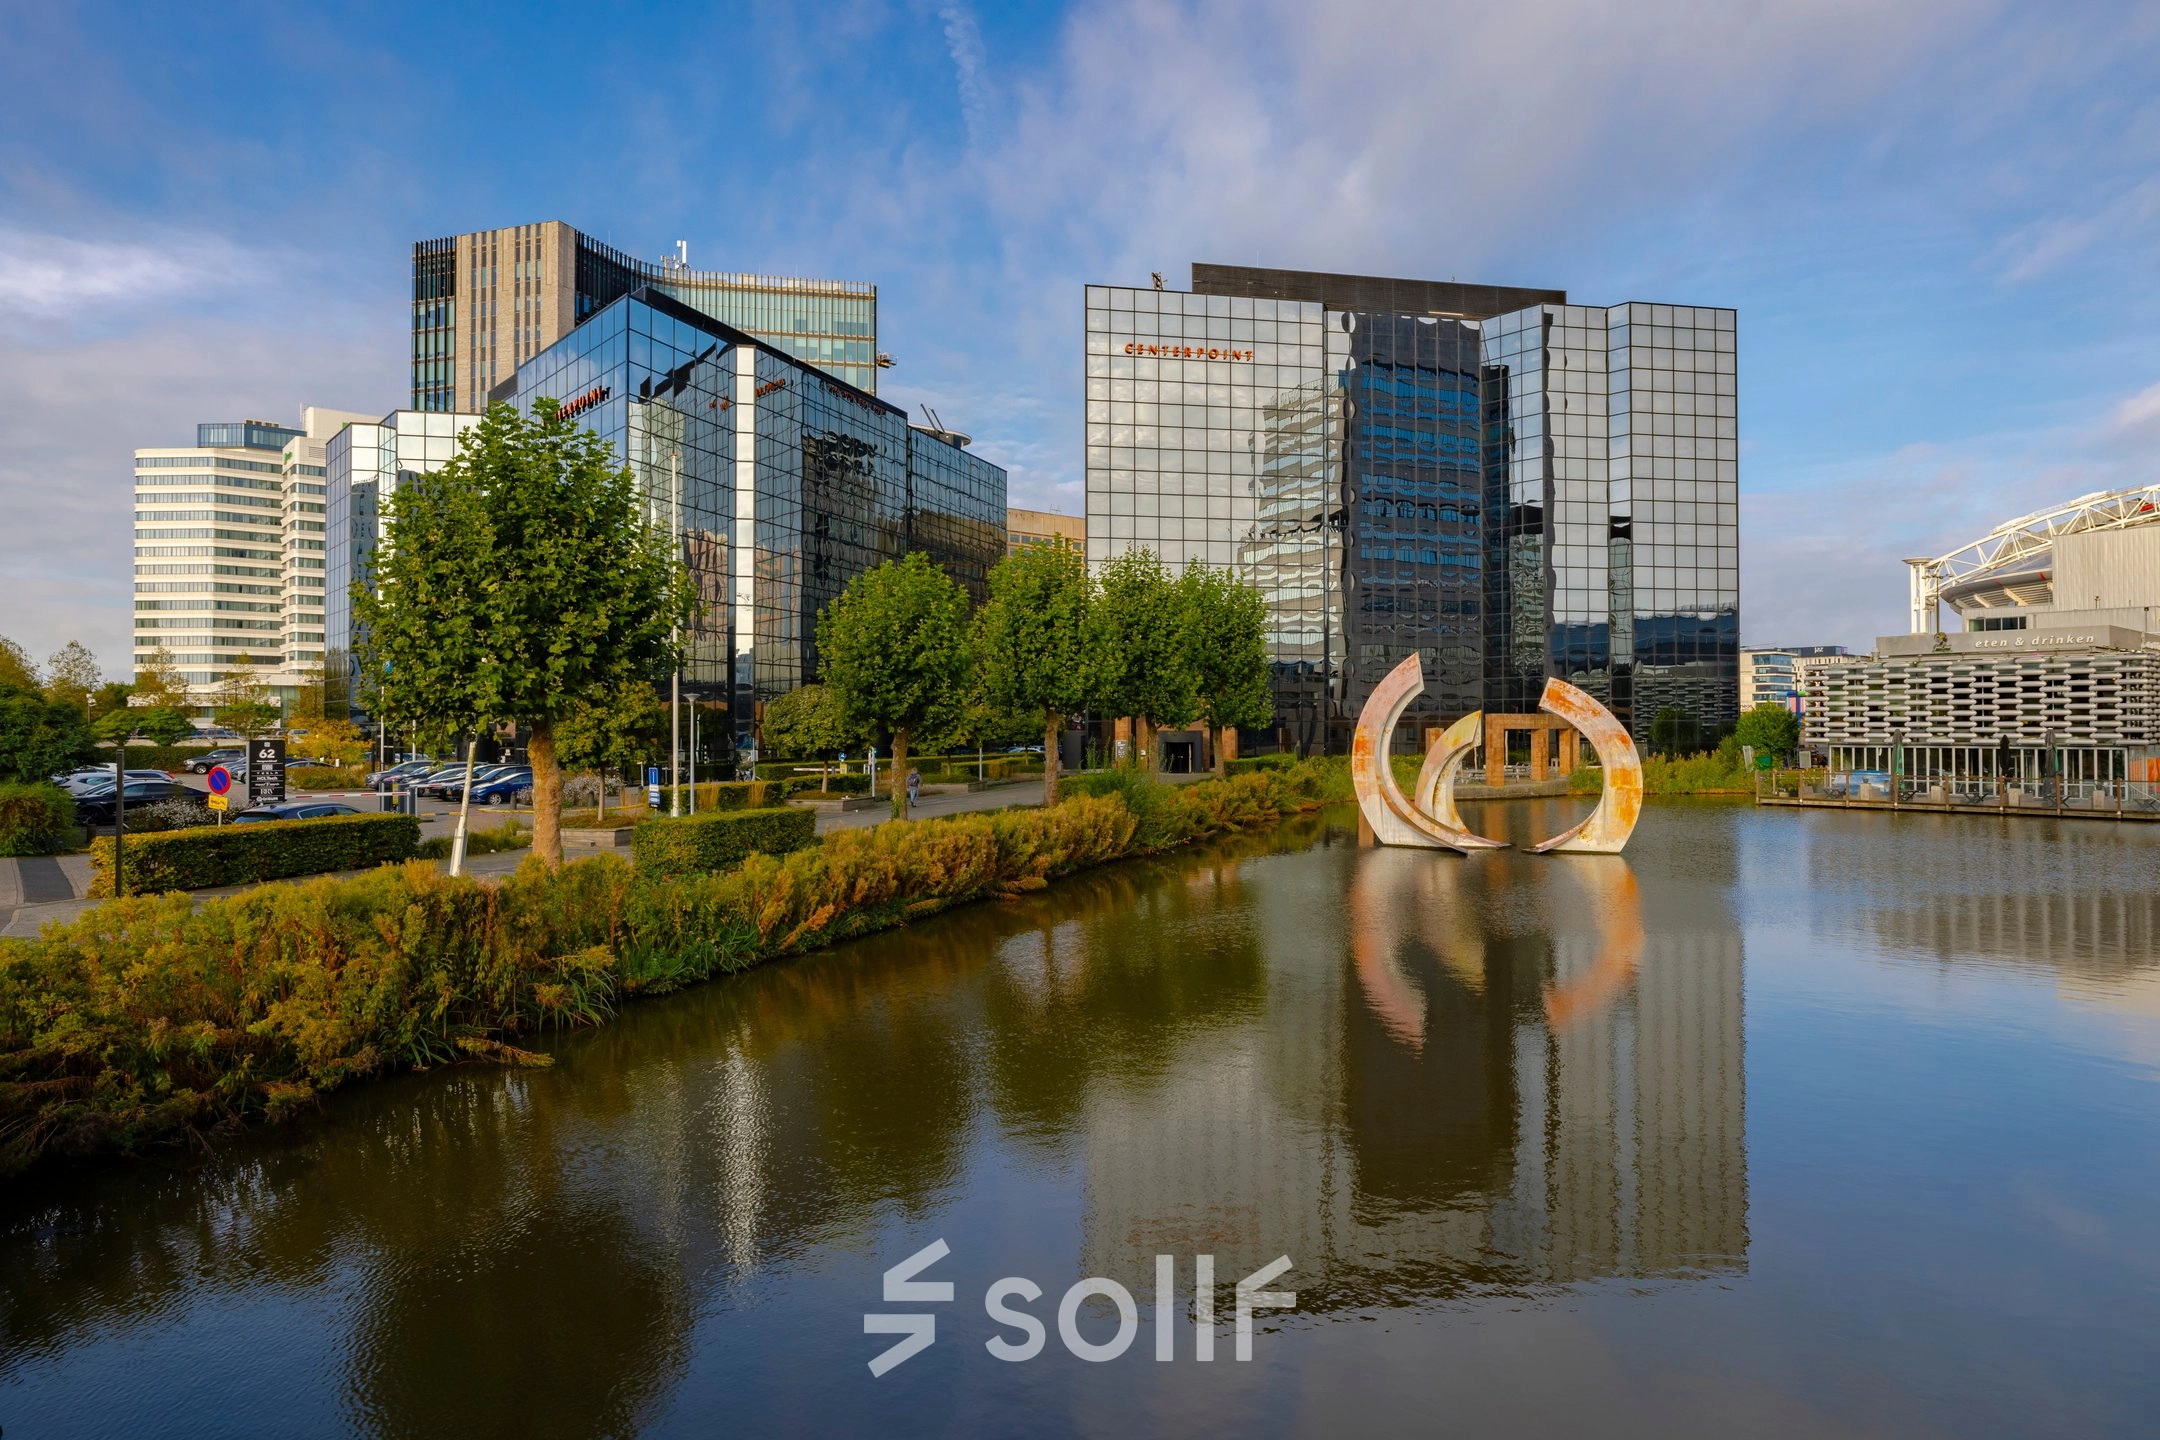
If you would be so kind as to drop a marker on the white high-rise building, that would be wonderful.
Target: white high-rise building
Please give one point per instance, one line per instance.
(222, 532)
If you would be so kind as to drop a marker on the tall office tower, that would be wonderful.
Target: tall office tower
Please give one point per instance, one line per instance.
(781, 482)
(486, 302)
(1612, 510)
(305, 487)
(363, 464)
(1486, 476)
(210, 551)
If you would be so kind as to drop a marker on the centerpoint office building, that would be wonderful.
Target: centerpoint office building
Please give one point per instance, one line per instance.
(788, 481)
(1511, 485)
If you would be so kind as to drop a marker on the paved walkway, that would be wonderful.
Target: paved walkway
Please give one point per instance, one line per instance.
(37, 891)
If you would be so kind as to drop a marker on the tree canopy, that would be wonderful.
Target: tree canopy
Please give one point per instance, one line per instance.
(1034, 647)
(805, 722)
(893, 647)
(72, 675)
(521, 582)
(1139, 636)
(1225, 623)
(243, 701)
(16, 671)
(40, 737)
(1770, 728)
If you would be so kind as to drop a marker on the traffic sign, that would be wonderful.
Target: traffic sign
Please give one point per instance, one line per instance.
(219, 802)
(220, 781)
(266, 772)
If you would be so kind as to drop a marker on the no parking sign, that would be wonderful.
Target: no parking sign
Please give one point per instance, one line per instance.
(220, 783)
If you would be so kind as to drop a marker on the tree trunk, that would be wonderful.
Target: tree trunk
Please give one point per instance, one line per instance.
(600, 804)
(1143, 739)
(547, 794)
(899, 773)
(464, 811)
(1053, 725)
(1222, 752)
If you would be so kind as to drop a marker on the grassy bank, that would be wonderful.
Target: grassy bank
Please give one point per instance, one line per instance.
(1687, 775)
(147, 1020)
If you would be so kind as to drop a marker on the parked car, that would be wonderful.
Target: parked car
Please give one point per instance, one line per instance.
(403, 771)
(97, 778)
(97, 808)
(513, 787)
(293, 810)
(450, 784)
(232, 757)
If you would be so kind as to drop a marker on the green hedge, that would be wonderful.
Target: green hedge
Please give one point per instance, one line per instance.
(265, 850)
(325, 777)
(718, 839)
(1251, 764)
(35, 819)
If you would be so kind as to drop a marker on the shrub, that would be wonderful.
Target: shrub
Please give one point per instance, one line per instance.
(148, 1019)
(718, 839)
(509, 835)
(1248, 764)
(268, 850)
(35, 819)
(325, 777)
(168, 815)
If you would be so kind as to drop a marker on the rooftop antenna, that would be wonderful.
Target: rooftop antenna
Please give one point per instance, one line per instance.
(1158, 278)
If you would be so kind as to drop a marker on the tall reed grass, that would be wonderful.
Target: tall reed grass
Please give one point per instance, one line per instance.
(148, 1020)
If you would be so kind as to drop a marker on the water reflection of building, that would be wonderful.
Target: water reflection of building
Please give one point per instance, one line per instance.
(1558, 1105)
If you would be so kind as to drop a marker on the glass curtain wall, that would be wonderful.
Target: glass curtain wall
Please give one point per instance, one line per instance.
(1212, 426)
(1676, 480)
(1413, 436)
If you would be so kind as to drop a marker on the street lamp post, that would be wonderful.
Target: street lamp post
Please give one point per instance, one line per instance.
(675, 638)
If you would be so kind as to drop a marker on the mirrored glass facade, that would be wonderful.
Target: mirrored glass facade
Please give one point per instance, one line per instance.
(486, 302)
(363, 465)
(782, 482)
(1552, 491)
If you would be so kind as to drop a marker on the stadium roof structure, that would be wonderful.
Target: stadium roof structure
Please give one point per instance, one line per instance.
(2013, 563)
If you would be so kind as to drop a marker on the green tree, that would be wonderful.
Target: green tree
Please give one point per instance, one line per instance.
(72, 676)
(523, 580)
(1225, 623)
(243, 701)
(39, 737)
(16, 671)
(110, 696)
(619, 727)
(159, 681)
(163, 724)
(893, 647)
(1137, 635)
(806, 722)
(1770, 728)
(1034, 644)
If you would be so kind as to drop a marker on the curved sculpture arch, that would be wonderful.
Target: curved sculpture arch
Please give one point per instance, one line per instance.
(1605, 830)
(1394, 820)
(1433, 821)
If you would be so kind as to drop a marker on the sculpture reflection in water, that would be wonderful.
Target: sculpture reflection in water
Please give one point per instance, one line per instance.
(1432, 822)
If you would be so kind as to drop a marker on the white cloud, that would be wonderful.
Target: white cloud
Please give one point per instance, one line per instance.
(53, 276)
(963, 38)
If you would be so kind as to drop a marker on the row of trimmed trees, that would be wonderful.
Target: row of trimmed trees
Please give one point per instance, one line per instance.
(901, 654)
(521, 584)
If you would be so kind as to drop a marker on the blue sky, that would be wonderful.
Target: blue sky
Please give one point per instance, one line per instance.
(1939, 221)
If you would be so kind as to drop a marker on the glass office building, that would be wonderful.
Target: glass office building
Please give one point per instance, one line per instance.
(364, 463)
(783, 482)
(1512, 486)
(485, 303)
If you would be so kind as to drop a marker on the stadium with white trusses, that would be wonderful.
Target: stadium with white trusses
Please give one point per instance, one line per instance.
(2031, 667)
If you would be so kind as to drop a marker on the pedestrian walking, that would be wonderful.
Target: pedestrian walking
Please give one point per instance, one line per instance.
(914, 786)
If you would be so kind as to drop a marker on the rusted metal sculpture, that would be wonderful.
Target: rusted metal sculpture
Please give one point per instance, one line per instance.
(1394, 820)
(1433, 821)
(1605, 830)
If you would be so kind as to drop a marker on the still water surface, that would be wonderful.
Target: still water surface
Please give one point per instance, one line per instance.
(1785, 1123)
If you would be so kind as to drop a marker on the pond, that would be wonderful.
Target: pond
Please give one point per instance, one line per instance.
(1786, 1122)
